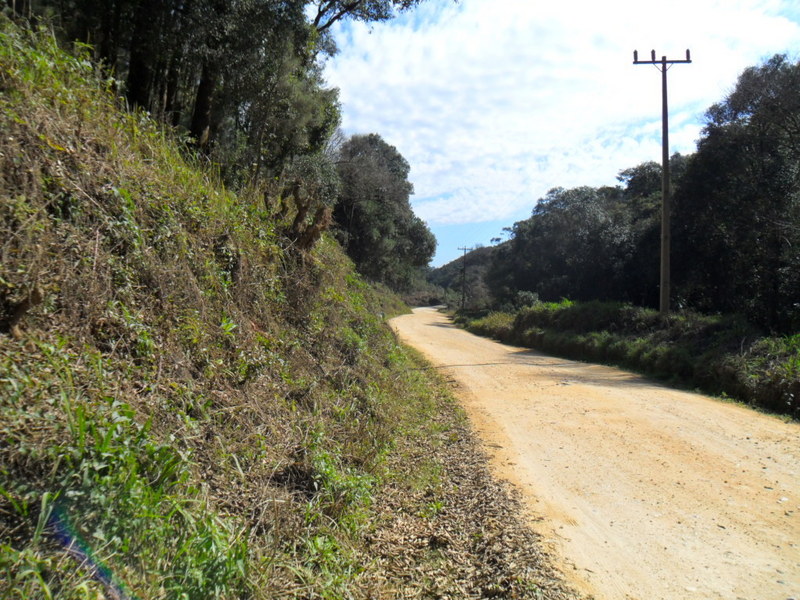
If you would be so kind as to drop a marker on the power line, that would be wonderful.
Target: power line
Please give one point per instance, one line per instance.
(464, 276)
(662, 66)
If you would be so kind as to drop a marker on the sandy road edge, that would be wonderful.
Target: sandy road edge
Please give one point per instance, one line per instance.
(495, 444)
(487, 466)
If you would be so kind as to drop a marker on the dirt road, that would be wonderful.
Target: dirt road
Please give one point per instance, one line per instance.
(644, 492)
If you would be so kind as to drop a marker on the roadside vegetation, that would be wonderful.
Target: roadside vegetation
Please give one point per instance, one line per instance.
(199, 397)
(719, 355)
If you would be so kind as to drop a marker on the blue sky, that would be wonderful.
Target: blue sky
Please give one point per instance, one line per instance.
(494, 102)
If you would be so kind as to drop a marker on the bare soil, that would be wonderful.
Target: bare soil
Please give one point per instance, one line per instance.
(643, 492)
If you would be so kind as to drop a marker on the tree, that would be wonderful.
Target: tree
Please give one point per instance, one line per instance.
(452, 276)
(641, 205)
(329, 12)
(738, 209)
(573, 245)
(375, 222)
(242, 77)
(588, 243)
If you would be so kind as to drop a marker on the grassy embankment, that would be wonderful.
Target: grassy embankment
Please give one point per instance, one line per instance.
(716, 354)
(190, 406)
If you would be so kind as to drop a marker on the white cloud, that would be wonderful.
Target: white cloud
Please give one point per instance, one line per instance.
(493, 102)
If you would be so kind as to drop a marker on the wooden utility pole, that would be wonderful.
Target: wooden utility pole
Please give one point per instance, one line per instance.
(464, 277)
(666, 208)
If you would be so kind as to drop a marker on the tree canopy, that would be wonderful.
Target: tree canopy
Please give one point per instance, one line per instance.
(588, 243)
(242, 80)
(737, 236)
(376, 224)
(241, 77)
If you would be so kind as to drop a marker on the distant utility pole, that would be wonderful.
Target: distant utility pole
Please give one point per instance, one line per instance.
(662, 66)
(464, 277)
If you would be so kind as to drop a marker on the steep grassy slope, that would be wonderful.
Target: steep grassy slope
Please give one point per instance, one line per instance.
(190, 406)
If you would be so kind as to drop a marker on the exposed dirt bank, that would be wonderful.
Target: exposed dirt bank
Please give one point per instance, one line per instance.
(644, 492)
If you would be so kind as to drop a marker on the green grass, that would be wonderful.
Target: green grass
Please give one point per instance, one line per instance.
(98, 479)
(495, 324)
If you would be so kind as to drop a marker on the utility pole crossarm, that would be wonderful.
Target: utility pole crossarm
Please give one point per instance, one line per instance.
(662, 60)
(665, 191)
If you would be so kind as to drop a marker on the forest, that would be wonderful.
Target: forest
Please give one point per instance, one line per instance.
(240, 83)
(735, 222)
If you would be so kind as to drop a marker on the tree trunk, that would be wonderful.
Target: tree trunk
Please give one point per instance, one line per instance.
(177, 63)
(172, 109)
(109, 41)
(140, 70)
(200, 128)
(21, 7)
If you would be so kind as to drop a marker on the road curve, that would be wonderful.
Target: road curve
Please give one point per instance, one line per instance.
(644, 492)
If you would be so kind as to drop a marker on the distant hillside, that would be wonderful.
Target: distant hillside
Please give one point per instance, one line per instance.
(450, 277)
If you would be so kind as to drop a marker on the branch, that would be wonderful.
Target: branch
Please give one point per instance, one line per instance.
(347, 8)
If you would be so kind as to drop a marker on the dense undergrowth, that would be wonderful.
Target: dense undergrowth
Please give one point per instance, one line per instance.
(717, 354)
(191, 406)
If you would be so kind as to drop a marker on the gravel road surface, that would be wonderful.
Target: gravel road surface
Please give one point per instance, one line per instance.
(642, 491)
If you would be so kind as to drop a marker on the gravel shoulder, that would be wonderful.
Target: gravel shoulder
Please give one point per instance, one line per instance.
(641, 491)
